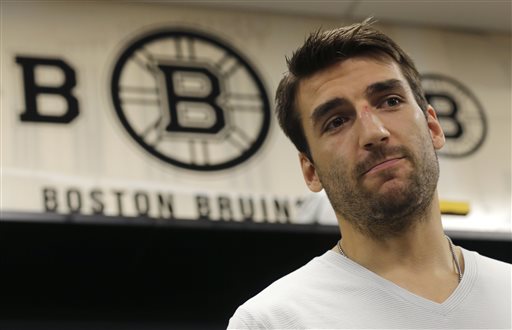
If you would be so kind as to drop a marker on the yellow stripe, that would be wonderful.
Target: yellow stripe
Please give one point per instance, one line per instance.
(452, 207)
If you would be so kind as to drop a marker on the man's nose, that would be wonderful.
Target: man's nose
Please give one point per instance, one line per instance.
(373, 133)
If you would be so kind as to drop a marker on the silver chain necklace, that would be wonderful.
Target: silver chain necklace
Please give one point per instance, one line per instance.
(452, 250)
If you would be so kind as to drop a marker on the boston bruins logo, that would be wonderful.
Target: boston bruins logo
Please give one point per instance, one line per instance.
(460, 114)
(190, 100)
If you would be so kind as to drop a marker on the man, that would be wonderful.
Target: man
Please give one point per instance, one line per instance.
(353, 106)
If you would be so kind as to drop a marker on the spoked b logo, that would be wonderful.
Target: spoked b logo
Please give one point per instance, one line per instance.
(460, 113)
(190, 100)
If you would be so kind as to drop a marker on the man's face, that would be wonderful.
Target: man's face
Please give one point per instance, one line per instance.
(372, 149)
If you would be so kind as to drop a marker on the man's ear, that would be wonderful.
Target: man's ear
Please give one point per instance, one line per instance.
(435, 129)
(309, 173)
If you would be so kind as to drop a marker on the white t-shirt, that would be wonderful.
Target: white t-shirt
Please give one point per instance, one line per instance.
(333, 292)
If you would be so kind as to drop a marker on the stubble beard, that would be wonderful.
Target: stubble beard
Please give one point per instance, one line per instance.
(384, 215)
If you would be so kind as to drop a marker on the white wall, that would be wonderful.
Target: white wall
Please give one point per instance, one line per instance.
(94, 151)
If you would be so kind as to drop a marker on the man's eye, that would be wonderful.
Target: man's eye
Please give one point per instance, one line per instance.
(335, 123)
(391, 102)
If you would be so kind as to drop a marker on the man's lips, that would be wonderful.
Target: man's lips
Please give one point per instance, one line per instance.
(382, 165)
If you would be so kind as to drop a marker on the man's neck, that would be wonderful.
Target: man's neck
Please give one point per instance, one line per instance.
(417, 259)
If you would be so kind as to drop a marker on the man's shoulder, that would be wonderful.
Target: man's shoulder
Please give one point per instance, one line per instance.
(490, 262)
(489, 270)
(274, 305)
(287, 285)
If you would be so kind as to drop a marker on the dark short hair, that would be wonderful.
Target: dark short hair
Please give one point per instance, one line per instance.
(322, 49)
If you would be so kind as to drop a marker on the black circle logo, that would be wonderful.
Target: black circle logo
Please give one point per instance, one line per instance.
(459, 112)
(190, 100)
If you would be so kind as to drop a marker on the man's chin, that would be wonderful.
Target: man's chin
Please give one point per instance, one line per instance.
(387, 186)
(393, 197)
(395, 204)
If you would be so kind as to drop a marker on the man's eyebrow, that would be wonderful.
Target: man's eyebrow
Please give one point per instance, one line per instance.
(383, 86)
(323, 109)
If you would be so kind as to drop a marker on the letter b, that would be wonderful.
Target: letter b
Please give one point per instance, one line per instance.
(32, 90)
(186, 87)
(449, 113)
